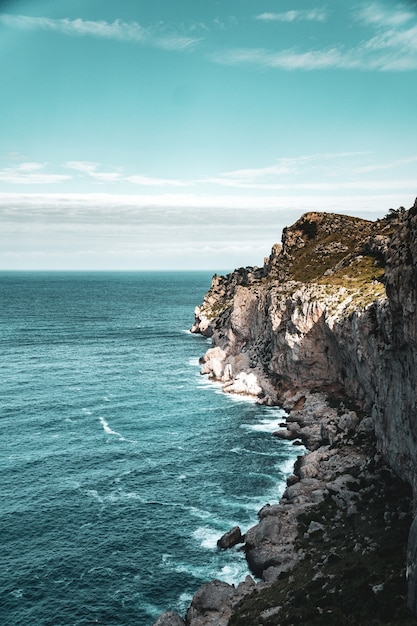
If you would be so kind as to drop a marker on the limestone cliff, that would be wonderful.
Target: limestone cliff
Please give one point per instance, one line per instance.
(333, 309)
(327, 328)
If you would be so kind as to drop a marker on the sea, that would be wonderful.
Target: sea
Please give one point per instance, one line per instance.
(120, 464)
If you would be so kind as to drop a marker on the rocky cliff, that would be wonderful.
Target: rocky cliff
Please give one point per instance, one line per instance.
(333, 309)
(326, 328)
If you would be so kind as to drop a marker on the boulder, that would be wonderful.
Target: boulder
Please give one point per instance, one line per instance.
(231, 538)
(169, 619)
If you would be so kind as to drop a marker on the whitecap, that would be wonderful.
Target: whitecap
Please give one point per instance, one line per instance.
(85, 411)
(232, 574)
(264, 426)
(240, 397)
(200, 513)
(108, 430)
(194, 362)
(207, 537)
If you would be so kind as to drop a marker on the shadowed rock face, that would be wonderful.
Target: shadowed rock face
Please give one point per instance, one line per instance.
(334, 310)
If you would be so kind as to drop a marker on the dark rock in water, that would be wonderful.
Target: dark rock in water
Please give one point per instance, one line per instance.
(231, 538)
(169, 619)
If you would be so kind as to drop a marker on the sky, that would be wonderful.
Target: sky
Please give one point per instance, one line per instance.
(186, 134)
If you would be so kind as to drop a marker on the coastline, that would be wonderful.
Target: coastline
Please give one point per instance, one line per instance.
(326, 329)
(340, 482)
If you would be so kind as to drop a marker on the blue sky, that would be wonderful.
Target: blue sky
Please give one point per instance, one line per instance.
(186, 134)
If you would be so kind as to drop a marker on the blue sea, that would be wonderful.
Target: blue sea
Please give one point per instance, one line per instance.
(120, 465)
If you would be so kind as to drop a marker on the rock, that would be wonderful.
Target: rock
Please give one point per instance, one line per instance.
(231, 538)
(211, 605)
(169, 619)
(315, 527)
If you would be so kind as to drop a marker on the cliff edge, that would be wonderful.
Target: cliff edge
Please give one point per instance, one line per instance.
(327, 328)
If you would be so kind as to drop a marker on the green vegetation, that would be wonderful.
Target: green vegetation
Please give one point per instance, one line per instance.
(309, 228)
(217, 309)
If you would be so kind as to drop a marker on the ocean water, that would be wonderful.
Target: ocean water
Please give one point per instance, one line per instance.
(120, 465)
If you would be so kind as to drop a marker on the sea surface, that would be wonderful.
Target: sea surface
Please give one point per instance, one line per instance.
(120, 465)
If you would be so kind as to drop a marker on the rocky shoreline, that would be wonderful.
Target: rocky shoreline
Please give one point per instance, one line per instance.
(342, 482)
(326, 329)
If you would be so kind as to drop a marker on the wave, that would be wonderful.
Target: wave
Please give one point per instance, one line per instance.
(108, 430)
(264, 426)
(231, 573)
(207, 537)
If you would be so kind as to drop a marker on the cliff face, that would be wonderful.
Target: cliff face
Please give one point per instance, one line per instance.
(332, 310)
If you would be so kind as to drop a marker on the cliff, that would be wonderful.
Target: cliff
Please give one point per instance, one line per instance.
(327, 328)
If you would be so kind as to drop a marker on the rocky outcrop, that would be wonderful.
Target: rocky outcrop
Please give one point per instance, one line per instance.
(231, 538)
(327, 328)
(333, 310)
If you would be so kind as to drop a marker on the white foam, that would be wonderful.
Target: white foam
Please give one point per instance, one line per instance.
(239, 397)
(194, 362)
(108, 430)
(207, 537)
(233, 574)
(184, 601)
(200, 513)
(85, 411)
(94, 494)
(264, 426)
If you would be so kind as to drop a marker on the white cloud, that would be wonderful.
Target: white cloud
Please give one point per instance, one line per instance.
(30, 173)
(91, 169)
(376, 14)
(178, 208)
(392, 45)
(284, 167)
(117, 30)
(289, 59)
(149, 181)
(313, 15)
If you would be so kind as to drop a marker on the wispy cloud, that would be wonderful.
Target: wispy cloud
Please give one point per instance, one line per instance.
(287, 166)
(392, 45)
(287, 59)
(150, 181)
(313, 15)
(30, 173)
(92, 170)
(117, 30)
(322, 172)
(376, 14)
